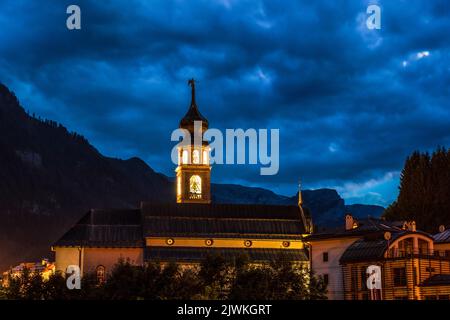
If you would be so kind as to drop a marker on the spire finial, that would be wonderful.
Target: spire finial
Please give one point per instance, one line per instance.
(191, 82)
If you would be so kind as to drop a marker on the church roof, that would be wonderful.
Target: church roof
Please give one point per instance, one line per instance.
(106, 228)
(221, 228)
(221, 210)
(199, 254)
(129, 227)
(222, 220)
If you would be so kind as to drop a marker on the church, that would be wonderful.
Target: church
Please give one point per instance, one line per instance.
(185, 231)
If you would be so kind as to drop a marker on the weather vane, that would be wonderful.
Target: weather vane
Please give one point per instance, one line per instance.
(191, 83)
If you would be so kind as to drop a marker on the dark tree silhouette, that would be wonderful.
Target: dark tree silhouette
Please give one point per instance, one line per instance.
(424, 191)
(215, 278)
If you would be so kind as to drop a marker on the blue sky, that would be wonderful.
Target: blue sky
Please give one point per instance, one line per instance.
(350, 103)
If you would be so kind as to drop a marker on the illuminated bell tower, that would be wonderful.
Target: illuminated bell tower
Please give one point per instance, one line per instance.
(194, 171)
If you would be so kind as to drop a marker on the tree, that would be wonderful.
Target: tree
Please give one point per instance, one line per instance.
(13, 291)
(424, 191)
(252, 283)
(187, 286)
(32, 286)
(215, 278)
(124, 282)
(317, 287)
(152, 281)
(278, 280)
(55, 288)
(26, 286)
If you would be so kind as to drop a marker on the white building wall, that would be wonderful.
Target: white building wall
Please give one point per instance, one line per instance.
(335, 248)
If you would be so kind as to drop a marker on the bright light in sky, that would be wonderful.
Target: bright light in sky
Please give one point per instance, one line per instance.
(423, 54)
(415, 57)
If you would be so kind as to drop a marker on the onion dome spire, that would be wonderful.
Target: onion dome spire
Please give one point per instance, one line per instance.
(193, 113)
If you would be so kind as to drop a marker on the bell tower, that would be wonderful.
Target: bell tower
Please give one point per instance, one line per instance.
(193, 173)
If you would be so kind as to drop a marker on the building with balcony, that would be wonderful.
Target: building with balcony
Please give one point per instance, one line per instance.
(410, 266)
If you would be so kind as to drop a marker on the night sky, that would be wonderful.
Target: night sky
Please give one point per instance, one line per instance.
(351, 103)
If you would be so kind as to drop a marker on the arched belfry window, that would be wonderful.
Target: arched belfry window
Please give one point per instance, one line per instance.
(195, 157)
(184, 157)
(179, 186)
(195, 184)
(101, 274)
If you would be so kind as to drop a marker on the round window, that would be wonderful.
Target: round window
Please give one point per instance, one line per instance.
(248, 243)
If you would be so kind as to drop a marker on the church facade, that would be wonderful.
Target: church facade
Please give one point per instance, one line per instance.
(189, 229)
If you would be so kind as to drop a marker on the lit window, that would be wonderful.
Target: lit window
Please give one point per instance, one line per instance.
(205, 157)
(101, 274)
(185, 157)
(179, 186)
(195, 183)
(195, 157)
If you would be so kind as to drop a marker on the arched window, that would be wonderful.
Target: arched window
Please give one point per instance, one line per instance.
(195, 157)
(423, 246)
(205, 157)
(406, 246)
(101, 274)
(195, 185)
(184, 159)
(179, 186)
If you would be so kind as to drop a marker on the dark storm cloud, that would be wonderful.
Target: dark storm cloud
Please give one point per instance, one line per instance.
(350, 103)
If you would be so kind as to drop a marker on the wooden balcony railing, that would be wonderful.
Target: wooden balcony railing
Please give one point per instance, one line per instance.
(417, 253)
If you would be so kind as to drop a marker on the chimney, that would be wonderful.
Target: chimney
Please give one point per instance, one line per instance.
(349, 221)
